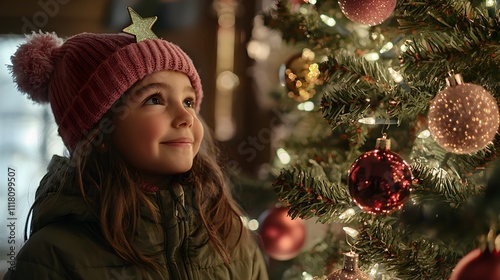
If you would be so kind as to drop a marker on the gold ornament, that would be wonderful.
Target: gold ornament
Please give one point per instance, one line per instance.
(463, 118)
(300, 74)
(140, 27)
(350, 270)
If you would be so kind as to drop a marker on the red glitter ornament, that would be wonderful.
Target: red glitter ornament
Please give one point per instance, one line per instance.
(477, 264)
(369, 12)
(282, 238)
(380, 180)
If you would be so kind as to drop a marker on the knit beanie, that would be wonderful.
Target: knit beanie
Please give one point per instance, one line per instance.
(83, 76)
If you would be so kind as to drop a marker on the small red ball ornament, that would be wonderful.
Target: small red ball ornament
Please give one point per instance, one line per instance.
(282, 238)
(380, 180)
(369, 12)
(477, 264)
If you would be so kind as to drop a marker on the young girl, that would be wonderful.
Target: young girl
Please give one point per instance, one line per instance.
(142, 195)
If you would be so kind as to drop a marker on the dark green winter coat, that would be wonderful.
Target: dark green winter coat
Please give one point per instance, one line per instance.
(66, 242)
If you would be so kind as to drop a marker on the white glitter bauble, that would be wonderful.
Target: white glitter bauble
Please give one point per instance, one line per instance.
(369, 12)
(463, 118)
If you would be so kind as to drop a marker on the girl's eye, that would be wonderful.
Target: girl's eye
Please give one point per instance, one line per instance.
(153, 100)
(189, 102)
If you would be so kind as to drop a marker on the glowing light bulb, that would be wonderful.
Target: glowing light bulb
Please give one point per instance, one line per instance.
(253, 224)
(374, 270)
(328, 20)
(283, 156)
(306, 106)
(347, 214)
(370, 120)
(351, 232)
(396, 76)
(387, 47)
(306, 276)
(424, 134)
(372, 56)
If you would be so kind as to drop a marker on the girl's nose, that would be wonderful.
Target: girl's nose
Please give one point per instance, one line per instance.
(182, 117)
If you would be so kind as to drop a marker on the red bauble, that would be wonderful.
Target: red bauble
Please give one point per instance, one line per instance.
(282, 238)
(478, 265)
(380, 180)
(369, 12)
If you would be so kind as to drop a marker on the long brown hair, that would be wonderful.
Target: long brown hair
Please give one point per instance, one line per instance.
(106, 179)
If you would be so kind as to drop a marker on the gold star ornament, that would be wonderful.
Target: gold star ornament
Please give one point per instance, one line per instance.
(140, 27)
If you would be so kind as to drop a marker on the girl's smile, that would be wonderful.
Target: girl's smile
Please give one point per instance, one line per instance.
(179, 142)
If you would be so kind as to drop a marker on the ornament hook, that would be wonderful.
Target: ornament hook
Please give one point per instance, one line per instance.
(454, 80)
(350, 232)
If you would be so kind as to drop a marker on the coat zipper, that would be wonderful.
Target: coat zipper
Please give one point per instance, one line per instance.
(181, 214)
(177, 193)
(165, 235)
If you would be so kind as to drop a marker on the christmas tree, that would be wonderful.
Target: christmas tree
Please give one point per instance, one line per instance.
(391, 117)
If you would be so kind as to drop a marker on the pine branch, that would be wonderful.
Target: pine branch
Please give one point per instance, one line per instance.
(438, 181)
(357, 88)
(452, 35)
(309, 196)
(403, 253)
(427, 16)
(324, 257)
(468, 165)
(307, 29)
(354, 86)
(460, 167)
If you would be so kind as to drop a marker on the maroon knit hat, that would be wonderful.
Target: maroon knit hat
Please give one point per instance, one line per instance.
(84, 76)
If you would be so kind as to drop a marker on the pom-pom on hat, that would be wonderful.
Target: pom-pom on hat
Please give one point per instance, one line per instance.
(84, 76)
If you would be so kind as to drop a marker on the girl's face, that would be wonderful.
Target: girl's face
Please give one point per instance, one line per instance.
(159, 133)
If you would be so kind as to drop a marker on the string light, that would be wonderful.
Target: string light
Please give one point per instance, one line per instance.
(328, 20)
(396, 76)
(374, 270)
(283, 156)
(306, 106)
(403, 48)
(253, 224)
(387, 47)
(337, 27)
(424, 134)
(347, 214)
(370, 120)
(386, 50)
(351, 232)
(377, 121)
(306, 276)
(373, 56)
